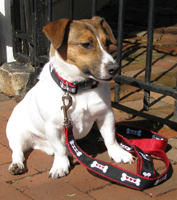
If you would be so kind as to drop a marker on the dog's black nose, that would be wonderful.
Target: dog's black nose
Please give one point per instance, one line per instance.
(112, 69)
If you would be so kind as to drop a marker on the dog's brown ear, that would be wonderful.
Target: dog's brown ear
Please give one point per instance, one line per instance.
(106, 28)
(55, 31)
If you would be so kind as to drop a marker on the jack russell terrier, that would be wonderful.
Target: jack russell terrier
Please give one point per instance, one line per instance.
(79, 58)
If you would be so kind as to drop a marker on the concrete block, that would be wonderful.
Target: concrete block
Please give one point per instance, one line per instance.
(16, 79)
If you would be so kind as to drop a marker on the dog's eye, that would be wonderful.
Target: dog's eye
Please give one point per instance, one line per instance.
(86, 45)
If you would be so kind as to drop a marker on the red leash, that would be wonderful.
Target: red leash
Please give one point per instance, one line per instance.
(145, 170)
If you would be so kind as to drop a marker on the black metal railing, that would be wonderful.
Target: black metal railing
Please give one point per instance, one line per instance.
(29, 43)
(28, 40)
(146, 85)
(28, 18)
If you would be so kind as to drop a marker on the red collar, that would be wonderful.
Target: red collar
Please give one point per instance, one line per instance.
(74, 87)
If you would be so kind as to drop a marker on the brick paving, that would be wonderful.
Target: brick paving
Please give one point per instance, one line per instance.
(80, 183)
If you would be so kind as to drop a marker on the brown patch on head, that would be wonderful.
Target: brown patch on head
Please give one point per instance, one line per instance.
(83, 48)
(55, 31)
(104, 31)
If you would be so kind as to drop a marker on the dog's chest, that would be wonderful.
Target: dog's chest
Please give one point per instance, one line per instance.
(91, 103)
(86, 109)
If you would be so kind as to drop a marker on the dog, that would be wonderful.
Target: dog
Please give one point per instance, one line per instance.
(78, 57)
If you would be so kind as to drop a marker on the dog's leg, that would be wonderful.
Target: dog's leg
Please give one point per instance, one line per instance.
(17, 166)
(61, 162)
(106, 126)
(19, 141)
(19, 145)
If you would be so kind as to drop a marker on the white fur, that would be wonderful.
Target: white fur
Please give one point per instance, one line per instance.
(106, 58)
(37, 121)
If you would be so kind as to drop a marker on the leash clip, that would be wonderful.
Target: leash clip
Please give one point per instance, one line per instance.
(67, 102)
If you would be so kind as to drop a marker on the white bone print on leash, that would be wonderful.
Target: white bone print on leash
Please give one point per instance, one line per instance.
(74, 148)
(125, 177)
(146, 174)
(130, 131)
(99, 166)
(126, 147)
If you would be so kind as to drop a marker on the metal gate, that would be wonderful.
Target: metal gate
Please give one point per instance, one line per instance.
(146, 85)
(29, 43)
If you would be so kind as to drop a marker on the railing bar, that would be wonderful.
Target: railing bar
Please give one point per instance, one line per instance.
(175, 110)
(22, 18)
(42, 59)
(120, 33)
(119, 49)
(49, 11)
(49, 19)
(94, 8)
(24, 36)
(35, 39)
(147, 86)
(23, 56)
(71, 9)
(175, 104)
(149, 52)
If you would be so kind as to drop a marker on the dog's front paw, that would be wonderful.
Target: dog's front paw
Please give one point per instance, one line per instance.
(16, 168)
(59, 169)
(58, 172)
(119, 155)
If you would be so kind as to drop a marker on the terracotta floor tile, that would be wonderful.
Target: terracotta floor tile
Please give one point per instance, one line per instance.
(114, 192)
(39, 187)
(164, 188)
(8, 192)
(5, 155)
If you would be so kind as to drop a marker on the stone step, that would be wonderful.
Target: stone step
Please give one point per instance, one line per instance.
(16, 79)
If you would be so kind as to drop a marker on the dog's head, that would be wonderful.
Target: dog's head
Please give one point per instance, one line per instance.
(84, 44)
